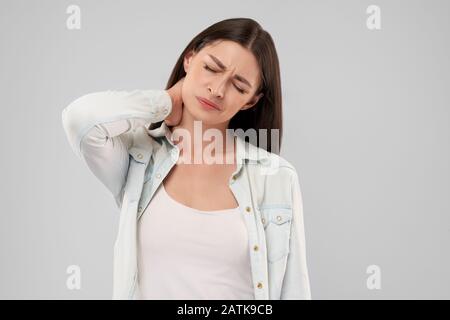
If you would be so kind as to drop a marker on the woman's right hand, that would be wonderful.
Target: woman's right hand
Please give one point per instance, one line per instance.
(174, 117)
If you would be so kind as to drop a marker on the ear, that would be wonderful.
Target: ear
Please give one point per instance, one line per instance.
(252, 102)
(187, 60)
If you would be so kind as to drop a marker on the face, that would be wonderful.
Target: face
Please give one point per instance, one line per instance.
(225, 73)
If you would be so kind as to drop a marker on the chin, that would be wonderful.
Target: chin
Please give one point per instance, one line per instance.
(200, 115)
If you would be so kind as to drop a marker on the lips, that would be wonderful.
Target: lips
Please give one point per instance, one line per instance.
(209, 102)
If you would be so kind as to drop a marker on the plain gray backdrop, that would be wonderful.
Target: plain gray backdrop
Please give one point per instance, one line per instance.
(366, 124)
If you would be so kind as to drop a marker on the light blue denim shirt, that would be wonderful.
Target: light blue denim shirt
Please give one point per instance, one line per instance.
(109, 131)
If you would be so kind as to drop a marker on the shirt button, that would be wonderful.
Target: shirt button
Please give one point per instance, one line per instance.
(263, 220)
(139, 156)
(255, 248)
(279, 218)
(260, 285)
(140, 209)
(248, 209)
(158, 175)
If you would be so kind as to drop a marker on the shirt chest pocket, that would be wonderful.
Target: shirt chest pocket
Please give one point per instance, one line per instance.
(277, 227)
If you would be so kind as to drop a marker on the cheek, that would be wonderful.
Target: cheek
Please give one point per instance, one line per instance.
(196, 74)
(190, 85)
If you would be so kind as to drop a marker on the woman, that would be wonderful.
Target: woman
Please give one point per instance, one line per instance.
(205, 229)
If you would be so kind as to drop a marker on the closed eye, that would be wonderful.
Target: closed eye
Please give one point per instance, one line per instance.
(213, 71)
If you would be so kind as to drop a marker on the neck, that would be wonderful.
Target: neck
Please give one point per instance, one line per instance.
(200, 138)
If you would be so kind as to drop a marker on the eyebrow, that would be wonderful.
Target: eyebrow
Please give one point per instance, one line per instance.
(222, 66)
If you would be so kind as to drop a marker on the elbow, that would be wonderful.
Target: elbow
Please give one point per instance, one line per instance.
(76, 121)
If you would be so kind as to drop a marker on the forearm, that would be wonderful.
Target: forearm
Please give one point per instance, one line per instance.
(114, 112)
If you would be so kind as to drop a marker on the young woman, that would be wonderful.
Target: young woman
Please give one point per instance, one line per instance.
(192, 228)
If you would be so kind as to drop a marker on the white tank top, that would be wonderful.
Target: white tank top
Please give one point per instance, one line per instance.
(185, 253)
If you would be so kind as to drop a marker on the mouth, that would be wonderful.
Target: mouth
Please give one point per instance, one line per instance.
(208, 104)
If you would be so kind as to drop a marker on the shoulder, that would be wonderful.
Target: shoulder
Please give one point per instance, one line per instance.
(280, 161)
(274, 178)
(274, 172)
(278, 165)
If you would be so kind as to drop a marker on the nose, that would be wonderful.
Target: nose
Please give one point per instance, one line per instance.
(218, 92)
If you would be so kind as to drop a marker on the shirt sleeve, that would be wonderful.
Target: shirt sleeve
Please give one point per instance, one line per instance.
(296, 284)
(99, 127)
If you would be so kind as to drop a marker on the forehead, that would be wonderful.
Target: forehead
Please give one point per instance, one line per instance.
(235, 57)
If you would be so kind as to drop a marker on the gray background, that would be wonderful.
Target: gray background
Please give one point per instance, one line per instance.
(366, 125)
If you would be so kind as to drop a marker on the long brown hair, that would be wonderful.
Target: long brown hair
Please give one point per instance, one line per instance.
(267, 112)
